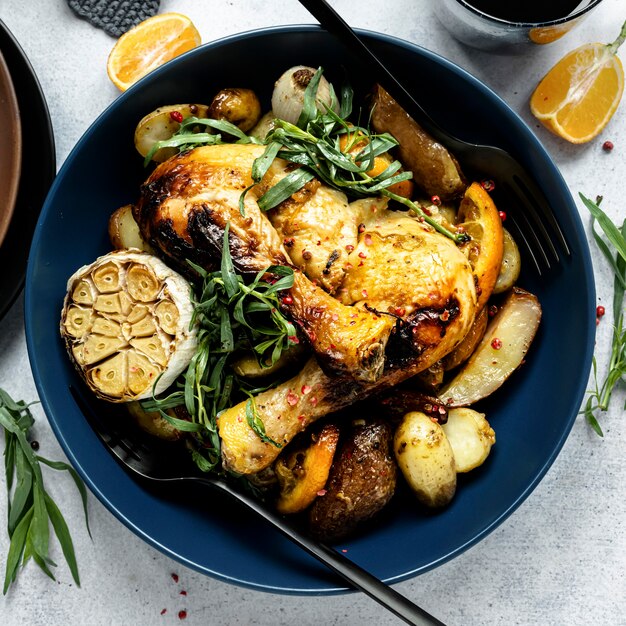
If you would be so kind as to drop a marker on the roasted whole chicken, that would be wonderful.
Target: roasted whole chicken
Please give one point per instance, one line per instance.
(380, 295)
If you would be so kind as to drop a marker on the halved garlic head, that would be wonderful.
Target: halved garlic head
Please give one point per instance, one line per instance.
(126, 324)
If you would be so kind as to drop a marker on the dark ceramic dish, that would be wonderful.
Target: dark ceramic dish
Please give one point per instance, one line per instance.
(38, 159)
(532, 414)
(10, 148)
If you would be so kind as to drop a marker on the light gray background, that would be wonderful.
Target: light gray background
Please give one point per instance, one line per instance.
(560, 559)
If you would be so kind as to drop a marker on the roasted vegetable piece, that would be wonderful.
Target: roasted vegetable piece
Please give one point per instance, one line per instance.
(240, 107)
(470, 436)
(126, 325)
(425, 457)
(434, 169)
(399, 401)
(511, 264)
(499, 354)
(465, 349)
(264, 126)
(124, 231)
(288, 94)
(161, 124)
(153, 422)
(248, 366)
(479, 218)
(362, 481)
(303, 472)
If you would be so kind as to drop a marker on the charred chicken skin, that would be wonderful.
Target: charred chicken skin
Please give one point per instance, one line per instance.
(183, 211)
(399, 267)
(380, 295)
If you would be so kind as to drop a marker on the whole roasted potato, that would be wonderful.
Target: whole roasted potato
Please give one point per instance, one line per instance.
(240, 107)
(124, 231)
(470, 436)
(425, 458)
(362, 481)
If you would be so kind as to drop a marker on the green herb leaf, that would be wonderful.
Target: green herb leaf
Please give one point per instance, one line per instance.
(611, 231)
(63, 535)
(615, 253)
(16, 549)
(229, 276)
(284, 188)
(22, 496)
(80, 485)
(30, 505)
(256, 423)
(39, 526)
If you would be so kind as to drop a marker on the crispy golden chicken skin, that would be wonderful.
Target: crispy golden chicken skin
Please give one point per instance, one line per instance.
(183, 211)
(399, 266)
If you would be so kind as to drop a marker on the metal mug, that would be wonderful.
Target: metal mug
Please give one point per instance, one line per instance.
(477, 29)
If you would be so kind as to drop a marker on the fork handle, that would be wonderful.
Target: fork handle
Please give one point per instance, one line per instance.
(331, 21)
(356, 576)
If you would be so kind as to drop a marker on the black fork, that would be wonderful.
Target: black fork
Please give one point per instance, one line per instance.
(534, 222)
(151, 460)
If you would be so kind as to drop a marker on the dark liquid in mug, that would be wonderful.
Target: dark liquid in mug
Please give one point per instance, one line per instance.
(533, 11)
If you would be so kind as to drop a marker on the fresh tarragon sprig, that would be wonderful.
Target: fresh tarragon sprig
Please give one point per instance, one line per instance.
(233, 315)
(615, 252)
(315, 144)
(31, 509)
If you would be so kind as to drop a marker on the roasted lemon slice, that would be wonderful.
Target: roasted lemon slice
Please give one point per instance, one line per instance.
(479, 218)
(126, 324)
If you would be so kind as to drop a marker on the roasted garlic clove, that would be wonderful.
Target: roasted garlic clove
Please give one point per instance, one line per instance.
(126, 324)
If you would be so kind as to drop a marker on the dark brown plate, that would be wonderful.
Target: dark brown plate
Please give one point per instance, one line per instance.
(10, 148)
(38, 159)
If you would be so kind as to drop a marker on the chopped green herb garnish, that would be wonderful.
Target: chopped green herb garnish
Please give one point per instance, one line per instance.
(256, 424)
(315, 144)
(234, 316)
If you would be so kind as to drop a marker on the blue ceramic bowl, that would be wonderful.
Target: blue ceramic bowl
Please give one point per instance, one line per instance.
(532, 414)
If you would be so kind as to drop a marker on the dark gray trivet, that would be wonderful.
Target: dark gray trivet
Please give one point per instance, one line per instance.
(115, 17)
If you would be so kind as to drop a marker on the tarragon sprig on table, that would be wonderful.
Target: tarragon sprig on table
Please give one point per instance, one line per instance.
(30, 508)
(615, 253)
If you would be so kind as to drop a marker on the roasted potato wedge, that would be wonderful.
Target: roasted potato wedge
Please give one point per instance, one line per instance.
(434, 169)
(264, 126)
(247, 365)
(465, 349)
(425, 458)
(240, 107)
(362, 481)
(398, 401)
(511, 264)
(161, 124)
(470, 436)
(303, 472)
(124, 231)
(153, 422)
(499, 354)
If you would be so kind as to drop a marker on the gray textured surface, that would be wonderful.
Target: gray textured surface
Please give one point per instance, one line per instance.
(559, 559)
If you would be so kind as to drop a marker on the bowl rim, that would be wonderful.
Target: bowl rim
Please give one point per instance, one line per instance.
(46, 401)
